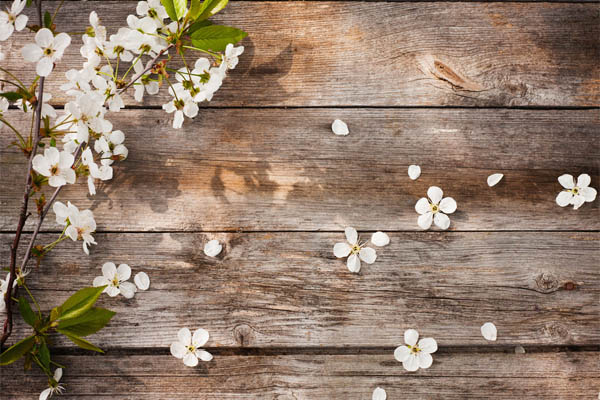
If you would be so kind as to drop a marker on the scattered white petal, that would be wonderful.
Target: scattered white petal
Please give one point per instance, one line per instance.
(519, 350)
(489, 332)
(493, 179)
(213, 248)
(379, 394)
(339, 127)
(380, 239)
(142, 281)
(414, 171)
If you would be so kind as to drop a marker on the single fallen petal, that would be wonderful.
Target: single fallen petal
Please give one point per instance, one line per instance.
(142, 281)
(414, 171)
(493, 179)
(212, 248)
(380, 239)
(339, 127)
(379, 394)
(519, 350)
(489, 332)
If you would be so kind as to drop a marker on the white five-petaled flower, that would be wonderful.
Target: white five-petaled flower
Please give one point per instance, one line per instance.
(115, 280)
(354, 251)
(4, 289)
(187, 347)
(54, 386)
(56, 166)
(435, 209)
(80, 225)
(575, 194)
(11, 21)
(46, 50)
(415, 355)
(230, 58)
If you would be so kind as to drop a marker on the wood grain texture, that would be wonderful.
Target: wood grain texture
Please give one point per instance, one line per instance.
(388, 54)
(275, 169)
(343, 377)
(288, 289)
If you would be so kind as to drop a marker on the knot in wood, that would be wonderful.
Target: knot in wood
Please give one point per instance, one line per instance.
(546, 283)
(243, 334)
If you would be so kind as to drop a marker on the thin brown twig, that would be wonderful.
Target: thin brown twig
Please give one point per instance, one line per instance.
(149, 65)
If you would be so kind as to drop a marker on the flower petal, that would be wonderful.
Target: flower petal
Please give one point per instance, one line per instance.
(351, 235)
(45, 393)
(44, 37)
(185, 336)
(577, 201)
(190, 360)
(564, 198)
(428, 345)
(380, 239)
(353, 263)
(588, 193)
(488, 331)
(425, 360)
(339, 127)
(448, 205)
(401, 353)
(435, 194)
(127, 289)
(422, 206)
(424, 221)
(493, 179)
(213, 248)
(567, 181)
(124, 272)
(411, 336)
(142, 281)
(31, 52)
(441, 220)
(58, 374)
(100, 281)
(368, 255)
(178, 349)
(341, 249)
(204, 355)
(379, 394)
(200, 337)
(109, 270)
(44, 66)
(414, 171)
(411, 363)
(583, 180)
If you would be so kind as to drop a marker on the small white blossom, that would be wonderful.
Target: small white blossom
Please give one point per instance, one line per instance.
(415, 355)
(339, 127)
(46, 50)
(104, 172)
(80, 225)
(488, 331)
(115, 280)
(354, 251)
(144, 84)
(493, 179)
(47, 109)
(153, 9)
(380, 239)
(230, 58)
(187, 347)
(111, 146)
(181, 105)
(54, 386)
(414, 171)
(575, 194)
(11, 20)
(56, 166)
(4, 289)
(435, 209)
(108, 89)
(142, 281)
(213, 248)
(379, 394)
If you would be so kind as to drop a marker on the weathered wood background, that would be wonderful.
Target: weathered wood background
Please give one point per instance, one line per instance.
(464, 89)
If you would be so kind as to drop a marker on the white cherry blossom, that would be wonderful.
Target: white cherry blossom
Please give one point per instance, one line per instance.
(115, 280)
(46, 50)
(213, 248)
(56, 166)
(12, 20)
(339, 127)
(230, 58)
(153, 9)
(80, 224)
(187, 346)
(181, 105)
(575, 193)
(354, 251)
(488, 331)
(54, 388)
(104, 172)
(435, 209)
(379, 394)
(145, 84)
(415, 355)
(111, 146)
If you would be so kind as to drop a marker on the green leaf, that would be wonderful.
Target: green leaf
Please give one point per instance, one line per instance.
(11, 96)
(16, 351)
(195, 9)
(26, 312)
(216, 37)
(55, 313)
(44, 355)
(47, 19)
(170, 8)
(197, 25)
(180, 8)
(80, 302)
(210, 8)
(86, 324)
(84, 344)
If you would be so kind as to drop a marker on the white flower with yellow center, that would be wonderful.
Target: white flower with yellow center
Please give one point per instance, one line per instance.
(11, 20)
(415, 355)
(354, 250)
(46, 50)
(435, 209)
(575, 194)
(56, 166)
(115, 280)
(187, 347)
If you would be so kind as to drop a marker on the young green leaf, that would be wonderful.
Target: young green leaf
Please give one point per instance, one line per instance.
(47, 19)
(170, 8)
(44, 355)
(80, 302)
(16, 351)
(210, 8)
(216, 37)
(26, 312)
(195, 9)
(86, 324)
(180, 8)
(197, 25)
(55, 313)
(84, 344)
(11, 96)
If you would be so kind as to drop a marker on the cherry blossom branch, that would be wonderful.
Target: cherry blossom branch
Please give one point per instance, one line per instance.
(149, 65)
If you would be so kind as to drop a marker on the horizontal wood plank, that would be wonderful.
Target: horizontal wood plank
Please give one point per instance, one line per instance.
(288, 289)
(277, 169)
(344, 377)
(386, 54)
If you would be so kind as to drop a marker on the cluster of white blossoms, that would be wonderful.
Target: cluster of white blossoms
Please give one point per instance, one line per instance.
(115, 279)
(79, 225)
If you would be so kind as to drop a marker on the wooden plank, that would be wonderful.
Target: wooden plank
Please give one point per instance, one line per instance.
(288, 289)
(276, 169)
(389, 54)
(452, 376)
